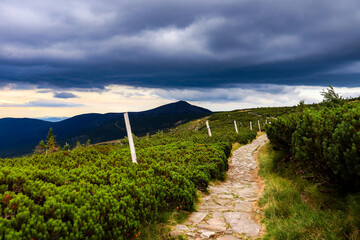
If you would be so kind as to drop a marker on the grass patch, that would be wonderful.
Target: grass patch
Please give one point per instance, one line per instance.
(258, 134)
(161, 230)
(235, 146)
(295, 208)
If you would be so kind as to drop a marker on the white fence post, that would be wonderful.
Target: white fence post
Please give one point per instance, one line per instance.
(250, 126)
(130, 138)
(259, 126)
(236, 129)
(208, 127)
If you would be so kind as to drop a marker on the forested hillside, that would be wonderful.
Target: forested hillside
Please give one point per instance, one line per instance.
(20, 136)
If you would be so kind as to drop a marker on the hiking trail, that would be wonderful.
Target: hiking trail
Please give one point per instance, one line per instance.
(227, 212)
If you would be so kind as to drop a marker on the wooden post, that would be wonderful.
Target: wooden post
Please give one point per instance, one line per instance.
(236, 129)
(259, 126)
(208, 127)
(250, 126)
(130, 138)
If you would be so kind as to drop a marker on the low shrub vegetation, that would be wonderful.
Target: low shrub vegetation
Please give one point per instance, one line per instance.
(96, 192)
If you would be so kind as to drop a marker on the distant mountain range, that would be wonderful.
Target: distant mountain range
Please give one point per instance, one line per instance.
(53, 119)
(19, 136)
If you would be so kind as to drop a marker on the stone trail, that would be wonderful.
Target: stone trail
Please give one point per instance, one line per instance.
(227, 212)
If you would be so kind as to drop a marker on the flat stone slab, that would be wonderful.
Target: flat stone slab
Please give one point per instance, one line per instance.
(176, 233)
(241, 222)
(191, 234)
(217, 215)
(181, 227)
(197, 217)
(225, 196)
(248, 191)
(251, 199)
(221, 201)
(228, 237)
(207, 234)
(217, 222)
(213, 228)
(215, 208)
(243, 206)
(217, 190)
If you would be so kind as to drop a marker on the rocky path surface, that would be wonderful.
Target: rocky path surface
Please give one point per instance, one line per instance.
(227, 212)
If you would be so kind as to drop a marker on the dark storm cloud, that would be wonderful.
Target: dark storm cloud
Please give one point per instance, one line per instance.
(64, 95)
(175, 44)
(42, 103)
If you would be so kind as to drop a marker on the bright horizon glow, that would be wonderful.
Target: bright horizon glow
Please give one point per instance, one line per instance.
(35, 102)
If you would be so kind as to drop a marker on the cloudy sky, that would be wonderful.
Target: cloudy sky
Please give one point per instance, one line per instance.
(62, 58)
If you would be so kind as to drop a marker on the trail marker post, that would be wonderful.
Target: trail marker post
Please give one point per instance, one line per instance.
(130, 138)
(250, 126)
(259, 126)
(236, 129)
(208, 127)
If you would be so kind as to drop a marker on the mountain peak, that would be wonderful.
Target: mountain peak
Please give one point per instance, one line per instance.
(182, 102)
(180, 107)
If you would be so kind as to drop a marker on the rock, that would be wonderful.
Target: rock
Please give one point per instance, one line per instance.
(217, 215)
(218, 189)
(228, 237)
(214, 228)
(222, 202)
(197, 217)
(182, 227)
(251, 200)
(176, 233)
(207, 234)
(217, 222)
(243, 206)
(241, 222)
(226, 196)
(215, 208)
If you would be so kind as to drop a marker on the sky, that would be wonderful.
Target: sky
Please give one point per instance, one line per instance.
(63, 58)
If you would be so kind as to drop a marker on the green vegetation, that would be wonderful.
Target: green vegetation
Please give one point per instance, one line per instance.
(324, 141)
(313, 175)
(296, 208)
(96, 192)
(51, 145)
(331, 96)
(161, 229)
